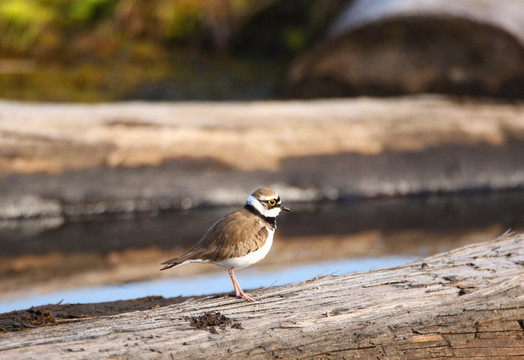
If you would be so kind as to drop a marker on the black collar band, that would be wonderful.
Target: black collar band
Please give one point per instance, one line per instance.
(272, 221)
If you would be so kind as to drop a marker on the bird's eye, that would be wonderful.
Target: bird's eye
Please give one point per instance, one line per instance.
(272, 202)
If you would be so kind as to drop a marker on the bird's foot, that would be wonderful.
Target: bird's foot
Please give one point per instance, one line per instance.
(246, 297)
(238, 290)
(242, 295)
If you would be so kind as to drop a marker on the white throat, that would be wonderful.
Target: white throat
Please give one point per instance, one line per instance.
(273, 213)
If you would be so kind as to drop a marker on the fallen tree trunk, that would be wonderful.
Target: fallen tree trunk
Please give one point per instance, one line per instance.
(462, 304)
(52, 167)
(388, 47)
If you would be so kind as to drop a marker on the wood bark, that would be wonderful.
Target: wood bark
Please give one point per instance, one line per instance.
(467, 303)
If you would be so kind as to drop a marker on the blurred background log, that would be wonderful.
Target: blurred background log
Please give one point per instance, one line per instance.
(55, 164)
(465, 303)
(389, 47)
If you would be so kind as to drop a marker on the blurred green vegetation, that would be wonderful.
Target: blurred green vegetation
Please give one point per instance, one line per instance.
(119, 46)
(22, 23)
(40, 27)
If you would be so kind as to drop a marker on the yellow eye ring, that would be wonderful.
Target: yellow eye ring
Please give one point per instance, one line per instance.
(272, 202)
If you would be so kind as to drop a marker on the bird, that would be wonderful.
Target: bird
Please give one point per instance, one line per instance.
(239, 239)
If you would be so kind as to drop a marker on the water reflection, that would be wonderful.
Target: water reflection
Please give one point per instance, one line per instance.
(430, 214)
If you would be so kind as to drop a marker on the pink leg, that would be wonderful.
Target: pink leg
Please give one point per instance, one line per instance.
(238, 290)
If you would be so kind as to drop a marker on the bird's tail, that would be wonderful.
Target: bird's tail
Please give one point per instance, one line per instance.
(171, 263)
(182, 259)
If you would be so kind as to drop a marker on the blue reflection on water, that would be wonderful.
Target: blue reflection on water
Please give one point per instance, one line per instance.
(204, 284)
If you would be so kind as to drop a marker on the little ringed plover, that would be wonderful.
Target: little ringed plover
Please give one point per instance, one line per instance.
(239, 239)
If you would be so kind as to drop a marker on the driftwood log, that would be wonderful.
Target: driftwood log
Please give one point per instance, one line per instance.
(467, 303)
(53, 165)
(385, 47)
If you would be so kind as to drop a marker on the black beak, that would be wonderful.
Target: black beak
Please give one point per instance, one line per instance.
(283, 208)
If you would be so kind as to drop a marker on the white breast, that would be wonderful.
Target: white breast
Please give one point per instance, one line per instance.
(251, 258)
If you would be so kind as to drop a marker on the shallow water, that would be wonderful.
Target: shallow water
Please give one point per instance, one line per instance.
(203, 284)
(315, 239)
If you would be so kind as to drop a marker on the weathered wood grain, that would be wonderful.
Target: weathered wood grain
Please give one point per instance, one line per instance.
(467, 303)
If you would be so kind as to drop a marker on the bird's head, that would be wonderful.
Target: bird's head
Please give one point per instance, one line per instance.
(266, 202)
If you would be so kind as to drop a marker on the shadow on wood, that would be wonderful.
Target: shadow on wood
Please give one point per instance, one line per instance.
(461, 304)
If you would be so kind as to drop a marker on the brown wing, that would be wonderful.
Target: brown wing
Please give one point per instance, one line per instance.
(236, 234)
